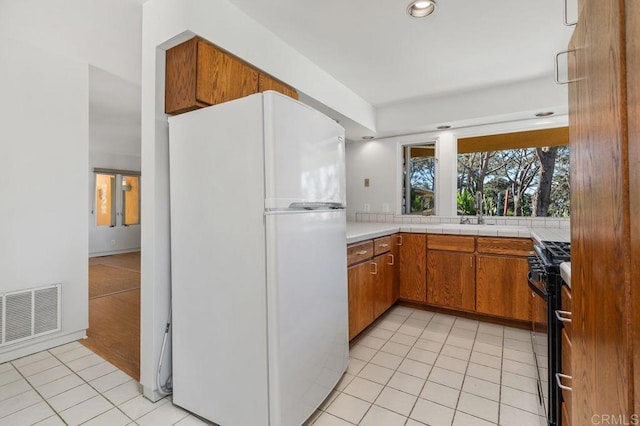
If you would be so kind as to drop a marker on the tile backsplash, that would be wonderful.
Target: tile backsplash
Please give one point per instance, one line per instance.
(541, 222)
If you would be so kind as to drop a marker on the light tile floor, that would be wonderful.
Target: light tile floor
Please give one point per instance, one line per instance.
(70, 385)
(412, 368)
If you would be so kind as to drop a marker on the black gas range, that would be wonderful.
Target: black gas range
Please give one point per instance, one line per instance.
(545, 283)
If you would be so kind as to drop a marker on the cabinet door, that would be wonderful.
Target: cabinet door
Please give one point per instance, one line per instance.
(266, 82)
(412, 273)
(222, 77)
(501, 287)
(451, 279)
(360, 278)
(383, 284)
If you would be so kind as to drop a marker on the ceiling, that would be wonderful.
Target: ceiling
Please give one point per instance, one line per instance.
(386, 57)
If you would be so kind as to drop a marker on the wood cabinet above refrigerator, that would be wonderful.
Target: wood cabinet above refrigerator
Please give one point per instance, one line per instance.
(199, 74)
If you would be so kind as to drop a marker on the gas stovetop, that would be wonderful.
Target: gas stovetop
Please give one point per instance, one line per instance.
(556, 252)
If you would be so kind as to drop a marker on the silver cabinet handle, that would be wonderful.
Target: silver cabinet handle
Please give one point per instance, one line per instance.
(557, 71)
(399, 243)
(565, 19)
(361, 252)
(384, 245)
(559, 377)
(562, 316)
(471, 261)
(375, 270)
(393, 260)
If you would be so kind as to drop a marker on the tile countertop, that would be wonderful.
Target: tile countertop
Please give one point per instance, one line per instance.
(360, 231)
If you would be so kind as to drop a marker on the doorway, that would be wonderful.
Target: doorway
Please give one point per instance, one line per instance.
(114, 274)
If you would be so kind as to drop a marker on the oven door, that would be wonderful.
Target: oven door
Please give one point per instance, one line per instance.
(540, 340)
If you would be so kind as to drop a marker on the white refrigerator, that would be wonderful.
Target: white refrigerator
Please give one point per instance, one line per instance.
(258, 260)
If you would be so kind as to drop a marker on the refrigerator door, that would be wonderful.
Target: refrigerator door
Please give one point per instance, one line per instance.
(306, 311)
(304, 154)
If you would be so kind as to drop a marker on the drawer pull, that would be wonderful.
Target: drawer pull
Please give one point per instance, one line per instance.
(565, 19)
(564, 316)
(399, 243)
(375, 269)
(559, 377)
(393, 260)
(362, 252)
(557, 70)
(384, 245)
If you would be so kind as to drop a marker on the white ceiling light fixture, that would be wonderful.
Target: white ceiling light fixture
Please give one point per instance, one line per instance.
(421, 8)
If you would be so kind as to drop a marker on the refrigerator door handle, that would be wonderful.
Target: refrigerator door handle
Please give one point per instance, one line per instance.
(316, 206)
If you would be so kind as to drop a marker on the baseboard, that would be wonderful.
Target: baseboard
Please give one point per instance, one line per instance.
(29, 348)
(112, 252)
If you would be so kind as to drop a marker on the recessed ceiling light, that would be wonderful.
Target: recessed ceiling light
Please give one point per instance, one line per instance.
(421, 8)
(544, 114)
(368, 137)
(443, 127)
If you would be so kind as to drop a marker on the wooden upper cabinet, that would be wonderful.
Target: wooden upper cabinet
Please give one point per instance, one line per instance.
(199, 74)
(266, 82)
(412, 267)
(222, 77)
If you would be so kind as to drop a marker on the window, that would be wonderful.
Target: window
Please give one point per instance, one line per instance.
(521, 174)
(117, 198)
(419, 183)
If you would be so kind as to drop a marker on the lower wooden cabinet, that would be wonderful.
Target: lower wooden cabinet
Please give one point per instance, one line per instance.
(451, 279)
(372, 290)
(412, 267)
(384, 294)
(501, 287)
(361, 296)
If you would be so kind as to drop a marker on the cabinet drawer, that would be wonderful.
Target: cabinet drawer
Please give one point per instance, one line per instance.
(506, 246)
(451, 243)
(565, 302)
(359, 252)
(381, 245)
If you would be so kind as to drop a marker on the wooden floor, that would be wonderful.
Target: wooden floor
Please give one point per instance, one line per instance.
(114, 310)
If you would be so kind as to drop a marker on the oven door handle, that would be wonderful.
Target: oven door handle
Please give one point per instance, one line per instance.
(532, 285)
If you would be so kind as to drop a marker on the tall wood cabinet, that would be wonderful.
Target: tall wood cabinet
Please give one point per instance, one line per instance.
(605, 210)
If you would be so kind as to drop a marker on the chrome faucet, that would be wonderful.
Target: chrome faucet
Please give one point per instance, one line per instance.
(479, 208)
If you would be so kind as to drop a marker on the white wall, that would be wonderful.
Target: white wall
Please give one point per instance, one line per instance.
(103, 33)
(104, 240)
(381, 162)
(48, 141)
(44, 158)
